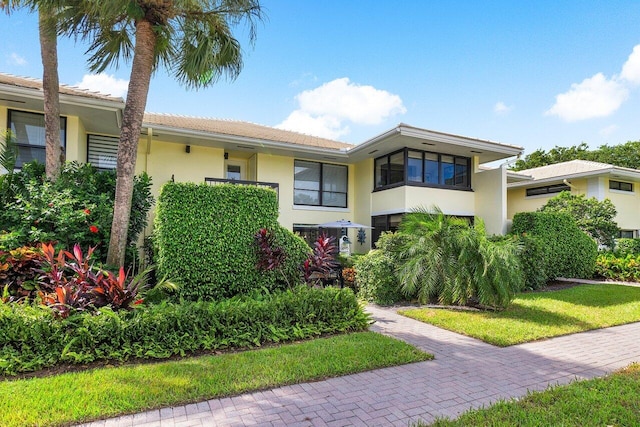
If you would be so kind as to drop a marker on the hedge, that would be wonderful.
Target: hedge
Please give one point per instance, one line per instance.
(626, 246)
(205, 239)
(33, 339)
(569, 252)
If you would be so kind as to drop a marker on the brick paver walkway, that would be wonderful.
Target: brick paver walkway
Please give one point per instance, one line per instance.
(466, 373)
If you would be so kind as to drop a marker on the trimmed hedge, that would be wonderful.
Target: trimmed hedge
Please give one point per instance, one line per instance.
(377, 281)
(33, 339)
(205, 239)
(626, 246)
(569, 252)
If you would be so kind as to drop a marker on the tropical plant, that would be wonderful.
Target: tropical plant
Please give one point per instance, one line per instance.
(270, 255)
(194, 40)
(594, 217)
(443, 258)
(321, 264)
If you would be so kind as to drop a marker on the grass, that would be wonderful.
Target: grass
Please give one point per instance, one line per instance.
(100, 393)
(608, 401)
(538, 315)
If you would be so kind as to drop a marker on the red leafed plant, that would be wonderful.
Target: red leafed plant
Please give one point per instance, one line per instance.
(270, 256)
(19, 273)
(321, 263)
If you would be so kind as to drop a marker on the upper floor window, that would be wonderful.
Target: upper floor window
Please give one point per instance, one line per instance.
(548, 189)
(423, 168)
(102, 151)
(319, 184)
(28, 129)
(619, 185)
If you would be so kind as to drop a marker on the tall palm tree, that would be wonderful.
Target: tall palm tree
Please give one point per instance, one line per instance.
(193, 39)
(50, 82)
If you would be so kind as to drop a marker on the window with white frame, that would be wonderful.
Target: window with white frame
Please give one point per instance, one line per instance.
(28, 131)
(319, 184)
(102, 151)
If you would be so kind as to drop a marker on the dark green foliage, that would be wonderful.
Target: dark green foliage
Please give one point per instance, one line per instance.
(377, 281)
(533, 258)
(627, 246)
(625, 155)
(32, 338)
(569, 251)
(205, 239)
(594, 217)
(77, 208)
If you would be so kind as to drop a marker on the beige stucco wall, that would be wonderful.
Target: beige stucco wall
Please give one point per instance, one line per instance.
(363, 186)
(490, 199)
(76, 140)
(406, 198)
(517, 200)
(628, 206)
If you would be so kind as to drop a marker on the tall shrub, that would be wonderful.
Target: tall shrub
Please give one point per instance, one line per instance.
(205, 239)
(569, 251)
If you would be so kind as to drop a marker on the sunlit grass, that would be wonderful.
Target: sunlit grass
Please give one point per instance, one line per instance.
(100, 393)
(608, 401)
(537, 315)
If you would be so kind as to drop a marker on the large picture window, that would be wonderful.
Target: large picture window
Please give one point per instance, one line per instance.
(422, 168)
(102, 151)
(319, 184)
(28, 129)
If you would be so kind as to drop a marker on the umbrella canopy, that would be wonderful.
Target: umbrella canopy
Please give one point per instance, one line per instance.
(342, 224)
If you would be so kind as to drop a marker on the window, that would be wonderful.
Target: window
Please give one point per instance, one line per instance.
(28, 129)
(102, 151)
(310, 232)
(549, 189)
(621, 186)
(626, 234)
(422, 169)
(319, 184)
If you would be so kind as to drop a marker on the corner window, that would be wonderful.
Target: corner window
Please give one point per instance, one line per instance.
(319, 184)
(102, 151)
(422, 168)
(620, 186)
(28, 129)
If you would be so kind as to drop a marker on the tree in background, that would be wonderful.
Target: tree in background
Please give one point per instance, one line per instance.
(192, 39)
(594, 217)
(624, 155)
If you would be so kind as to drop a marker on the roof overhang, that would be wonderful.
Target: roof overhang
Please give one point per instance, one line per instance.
(612, 172)
(427, 140)
(244, 144)
(98, 115)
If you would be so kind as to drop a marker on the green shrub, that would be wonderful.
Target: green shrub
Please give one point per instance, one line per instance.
(33, 339)
(77, 208)
(627, 246)
(625, 268)
(377, 281)
(205, 239)
(569, 251)
(533, 259)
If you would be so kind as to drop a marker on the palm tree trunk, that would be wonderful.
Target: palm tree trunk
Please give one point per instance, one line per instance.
(50, 87)
(143, 59)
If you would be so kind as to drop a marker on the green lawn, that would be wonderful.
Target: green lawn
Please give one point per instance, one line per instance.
(100, 393)
(609, 401)
(537, 315)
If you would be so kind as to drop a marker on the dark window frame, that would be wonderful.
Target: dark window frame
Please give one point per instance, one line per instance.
(547, 189)
(320, 190)
(466, 186)
(63, 136)
(618, 185)
(89, 135)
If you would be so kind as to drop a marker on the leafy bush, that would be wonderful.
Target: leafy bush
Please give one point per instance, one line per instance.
(569, 251)
(205, 239)
(627, 246)
(625, 268)
(533, 259)
(32, 339)
(19, 272)
(76, 208)
(377, 281)
(444, 259)
(321, 263)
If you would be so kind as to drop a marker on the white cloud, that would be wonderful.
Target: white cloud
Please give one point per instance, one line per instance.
(631, 68)
(324, 110)
(596, 96)
(104, 83)
(607, 131)
(15, 59)
(502, 108)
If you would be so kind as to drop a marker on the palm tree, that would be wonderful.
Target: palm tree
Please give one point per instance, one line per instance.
(50, 82)
(192, 39)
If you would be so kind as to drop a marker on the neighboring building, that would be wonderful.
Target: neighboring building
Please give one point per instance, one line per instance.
(318, 180)
(530, 189)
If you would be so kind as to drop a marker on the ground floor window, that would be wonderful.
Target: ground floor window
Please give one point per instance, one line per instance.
(382, 223)
(28, 130)
(310, 232)
(626, 234)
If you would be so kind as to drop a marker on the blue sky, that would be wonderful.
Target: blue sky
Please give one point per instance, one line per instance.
(534, 74)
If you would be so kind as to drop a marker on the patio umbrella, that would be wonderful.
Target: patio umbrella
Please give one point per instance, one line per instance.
(342, 224)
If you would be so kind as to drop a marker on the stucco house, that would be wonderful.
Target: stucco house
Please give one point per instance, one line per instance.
(529, 189)
(318, 180)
